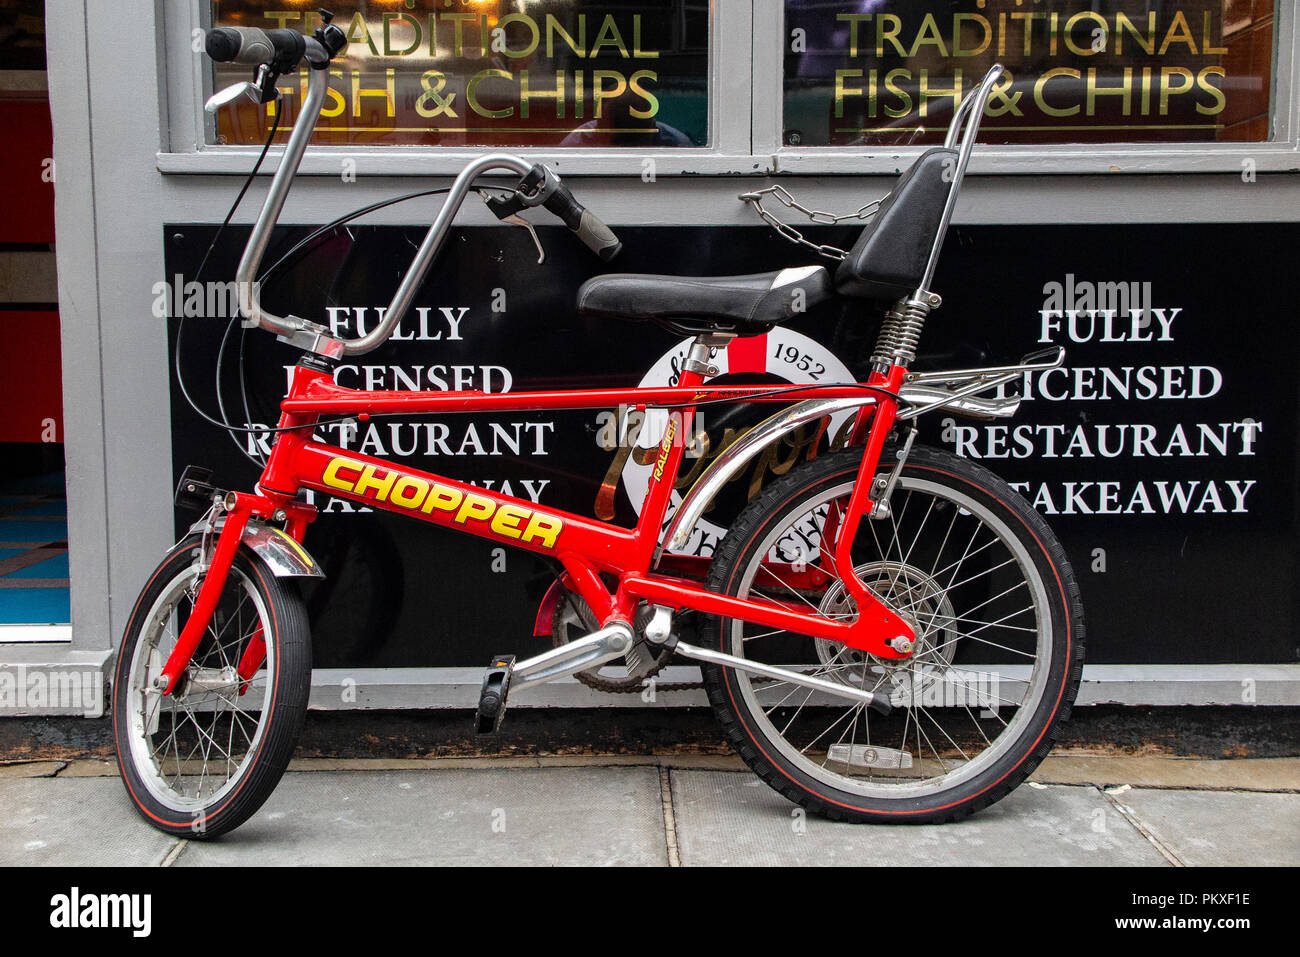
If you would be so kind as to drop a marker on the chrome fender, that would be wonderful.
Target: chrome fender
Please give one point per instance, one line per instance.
(284, 556)
(739, 453)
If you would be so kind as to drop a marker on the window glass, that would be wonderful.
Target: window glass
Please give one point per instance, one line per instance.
(1079, 71)
(566, 73)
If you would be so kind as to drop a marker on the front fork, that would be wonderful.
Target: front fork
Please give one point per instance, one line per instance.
(238, 508)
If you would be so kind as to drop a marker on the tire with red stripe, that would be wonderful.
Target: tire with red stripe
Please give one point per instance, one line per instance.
(200, 761)
(995, 606)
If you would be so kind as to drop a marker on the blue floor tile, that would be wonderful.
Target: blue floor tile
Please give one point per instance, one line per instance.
(34, 606)
(18, 531)
(53, 483)
(57, 509)
(56, 567)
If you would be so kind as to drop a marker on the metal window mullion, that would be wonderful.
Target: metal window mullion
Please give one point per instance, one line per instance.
(731, 95)
(768, 60)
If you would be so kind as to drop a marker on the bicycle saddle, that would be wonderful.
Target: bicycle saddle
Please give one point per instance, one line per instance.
(744, 305)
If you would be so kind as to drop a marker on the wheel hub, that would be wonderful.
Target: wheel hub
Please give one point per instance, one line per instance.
(916, 598)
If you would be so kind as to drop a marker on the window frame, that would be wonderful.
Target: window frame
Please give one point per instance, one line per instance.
(1282, 154)
(746, 102)
(187, 148)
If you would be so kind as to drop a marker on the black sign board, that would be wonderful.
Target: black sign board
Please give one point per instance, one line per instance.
(1164, 456)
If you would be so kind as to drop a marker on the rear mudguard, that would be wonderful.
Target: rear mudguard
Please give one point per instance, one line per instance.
(732, 460)
(736, 456)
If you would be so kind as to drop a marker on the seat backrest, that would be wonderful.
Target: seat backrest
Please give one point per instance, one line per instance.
(888, 261)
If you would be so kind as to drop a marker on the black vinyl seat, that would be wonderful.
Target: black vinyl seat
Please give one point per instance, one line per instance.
(888, 261)
(743, 305)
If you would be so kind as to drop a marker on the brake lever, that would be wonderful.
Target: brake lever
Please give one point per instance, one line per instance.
(516, 220)
(507, 211)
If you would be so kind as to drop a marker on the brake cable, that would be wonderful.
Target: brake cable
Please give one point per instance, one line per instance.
(306, 242)
(303, 247)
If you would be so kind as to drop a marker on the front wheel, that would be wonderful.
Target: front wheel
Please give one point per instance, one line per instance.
(992, 599)
(198, 762)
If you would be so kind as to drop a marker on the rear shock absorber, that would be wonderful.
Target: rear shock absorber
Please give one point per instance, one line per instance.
(901, 331)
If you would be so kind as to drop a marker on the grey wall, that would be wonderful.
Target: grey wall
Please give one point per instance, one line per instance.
(112, 201)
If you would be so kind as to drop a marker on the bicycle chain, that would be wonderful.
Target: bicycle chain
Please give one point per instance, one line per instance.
(788, 232)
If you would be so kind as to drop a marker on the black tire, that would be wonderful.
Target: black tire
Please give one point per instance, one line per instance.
(163, 744)
(1052, 623)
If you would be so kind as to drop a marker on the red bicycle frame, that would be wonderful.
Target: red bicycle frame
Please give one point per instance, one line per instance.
(585, 547)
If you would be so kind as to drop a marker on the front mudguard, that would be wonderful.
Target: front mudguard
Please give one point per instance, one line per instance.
(282, 553)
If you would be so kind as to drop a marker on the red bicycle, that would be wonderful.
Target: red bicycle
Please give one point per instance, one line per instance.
(887, 632)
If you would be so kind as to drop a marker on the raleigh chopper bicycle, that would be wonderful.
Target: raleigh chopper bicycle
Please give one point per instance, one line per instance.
(887, 633)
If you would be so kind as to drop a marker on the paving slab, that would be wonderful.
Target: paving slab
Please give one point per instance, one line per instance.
(1250, 774)
(31, 769)
(78, 822)
(1221, 828)
(734, 819)
(90, 768)
(528, 816)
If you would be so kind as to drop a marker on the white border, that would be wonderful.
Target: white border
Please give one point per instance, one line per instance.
(35, 634)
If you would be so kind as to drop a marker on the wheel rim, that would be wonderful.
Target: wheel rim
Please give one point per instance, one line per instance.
(193, 748)
(942, 559)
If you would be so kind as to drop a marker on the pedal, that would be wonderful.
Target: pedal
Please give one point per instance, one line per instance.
(492, 699)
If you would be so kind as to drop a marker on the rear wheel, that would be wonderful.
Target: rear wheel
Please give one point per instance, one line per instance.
(198, 762)
(999, 652)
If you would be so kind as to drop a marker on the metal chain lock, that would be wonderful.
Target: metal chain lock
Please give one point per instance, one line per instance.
(782, 196)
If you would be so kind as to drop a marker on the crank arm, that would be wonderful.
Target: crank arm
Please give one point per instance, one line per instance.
(876, 702)
(591, 651)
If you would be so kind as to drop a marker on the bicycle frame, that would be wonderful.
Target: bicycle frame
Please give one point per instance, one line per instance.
(585, 547)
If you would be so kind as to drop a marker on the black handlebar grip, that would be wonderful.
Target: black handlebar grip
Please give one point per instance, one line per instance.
(279, 48)
(599, 238)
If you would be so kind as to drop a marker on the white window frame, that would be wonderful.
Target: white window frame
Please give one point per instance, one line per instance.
(1282, 154)
(187, 148)
(745, 122)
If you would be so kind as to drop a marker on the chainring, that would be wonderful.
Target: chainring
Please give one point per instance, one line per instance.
(573, 619)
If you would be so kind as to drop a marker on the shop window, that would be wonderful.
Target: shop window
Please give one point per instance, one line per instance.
(888, 72)
(466, 73)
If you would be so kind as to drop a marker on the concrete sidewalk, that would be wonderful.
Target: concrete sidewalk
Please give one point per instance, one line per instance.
(1077, 810)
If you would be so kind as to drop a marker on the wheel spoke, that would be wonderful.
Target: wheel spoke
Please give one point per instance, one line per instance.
(952, 577)
(205, 733)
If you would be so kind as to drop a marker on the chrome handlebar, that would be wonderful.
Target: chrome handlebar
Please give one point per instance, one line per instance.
(314, 337)
(310, 335)
(968, 114)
